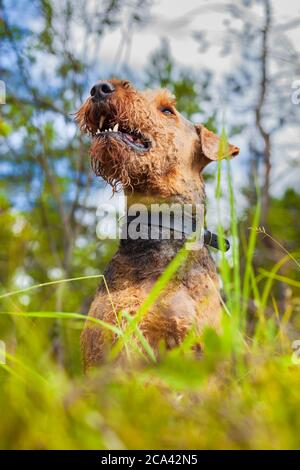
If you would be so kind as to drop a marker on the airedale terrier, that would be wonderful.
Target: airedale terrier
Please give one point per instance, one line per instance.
(141, 143)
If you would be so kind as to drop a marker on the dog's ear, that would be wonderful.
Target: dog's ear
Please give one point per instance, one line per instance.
(212, 147)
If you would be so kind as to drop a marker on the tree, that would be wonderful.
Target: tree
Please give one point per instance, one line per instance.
(48, 68)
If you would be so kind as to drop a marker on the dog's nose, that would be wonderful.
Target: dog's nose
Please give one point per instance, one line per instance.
(101, 90)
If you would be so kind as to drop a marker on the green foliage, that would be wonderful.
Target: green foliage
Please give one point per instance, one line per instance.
(283, 218)
(242, 394)
(5, 129)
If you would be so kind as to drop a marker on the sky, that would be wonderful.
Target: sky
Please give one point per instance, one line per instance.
(177, 21)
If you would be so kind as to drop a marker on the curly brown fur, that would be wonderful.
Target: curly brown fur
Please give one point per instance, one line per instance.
(155, 157)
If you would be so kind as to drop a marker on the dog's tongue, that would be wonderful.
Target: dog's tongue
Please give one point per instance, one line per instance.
(134, 139)
(129, 137)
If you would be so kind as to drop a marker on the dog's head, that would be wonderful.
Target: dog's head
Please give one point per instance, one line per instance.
(140, 141)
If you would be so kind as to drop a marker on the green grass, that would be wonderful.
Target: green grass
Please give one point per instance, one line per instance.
(243, 394)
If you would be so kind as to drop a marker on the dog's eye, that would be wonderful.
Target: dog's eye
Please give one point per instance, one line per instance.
(167, 111)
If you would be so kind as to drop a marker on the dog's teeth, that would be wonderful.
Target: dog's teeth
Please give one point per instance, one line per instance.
(101, 122)
(116, 127)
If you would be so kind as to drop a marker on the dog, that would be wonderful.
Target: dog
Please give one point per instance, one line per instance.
(140, 143)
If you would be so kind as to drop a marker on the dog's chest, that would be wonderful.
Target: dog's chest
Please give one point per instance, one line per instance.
(191, 298)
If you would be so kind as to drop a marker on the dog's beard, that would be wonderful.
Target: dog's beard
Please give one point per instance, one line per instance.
(123, 168)
(116, 164)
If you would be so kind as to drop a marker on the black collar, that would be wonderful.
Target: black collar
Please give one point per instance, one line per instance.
(209, 238)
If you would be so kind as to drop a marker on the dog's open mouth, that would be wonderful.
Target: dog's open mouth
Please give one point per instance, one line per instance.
(132, 138)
